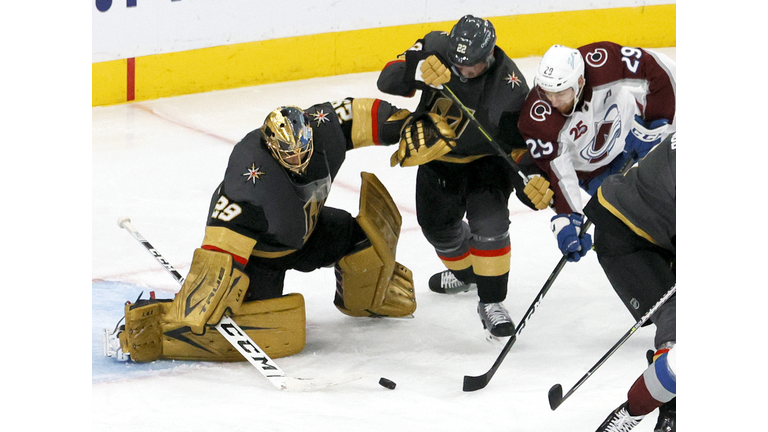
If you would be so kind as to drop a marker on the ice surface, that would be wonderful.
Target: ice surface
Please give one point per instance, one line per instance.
(158, 163)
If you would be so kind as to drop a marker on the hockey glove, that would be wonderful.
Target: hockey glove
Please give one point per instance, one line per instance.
(424, 138)
(643, 137)
(538, 192)
(567, 230)
(434, 72)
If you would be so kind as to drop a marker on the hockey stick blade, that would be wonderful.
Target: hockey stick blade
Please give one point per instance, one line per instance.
(555, 396)
(472, 383)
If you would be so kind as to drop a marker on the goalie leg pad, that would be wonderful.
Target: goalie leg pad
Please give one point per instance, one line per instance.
(277, 325)
(370, 282)
(142, 333)
(212, 287)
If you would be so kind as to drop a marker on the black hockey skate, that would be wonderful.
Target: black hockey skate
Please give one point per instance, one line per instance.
(619, 421)
(666, 422)
(495, 319)
(446, 282)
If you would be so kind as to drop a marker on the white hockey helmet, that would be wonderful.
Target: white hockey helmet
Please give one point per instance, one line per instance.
(560, 69)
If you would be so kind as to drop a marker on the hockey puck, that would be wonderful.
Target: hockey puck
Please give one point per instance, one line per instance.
(387, 383)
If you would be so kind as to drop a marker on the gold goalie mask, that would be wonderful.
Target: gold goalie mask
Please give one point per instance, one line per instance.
(289, 136)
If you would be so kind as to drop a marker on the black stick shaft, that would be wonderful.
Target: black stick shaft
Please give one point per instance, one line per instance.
(493, 142)
(555, 401)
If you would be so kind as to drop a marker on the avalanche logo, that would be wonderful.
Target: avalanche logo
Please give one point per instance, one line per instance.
(540, 110)
(597, 57)
(607, 131)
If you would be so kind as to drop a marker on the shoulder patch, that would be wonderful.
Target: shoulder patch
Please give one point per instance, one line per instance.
(253, 173)
(320, 117)
(512, 79)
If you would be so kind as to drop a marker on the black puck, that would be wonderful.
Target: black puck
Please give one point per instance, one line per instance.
(387, 383)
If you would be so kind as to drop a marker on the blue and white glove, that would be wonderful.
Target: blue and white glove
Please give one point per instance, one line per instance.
(567, 230)
(644, 136)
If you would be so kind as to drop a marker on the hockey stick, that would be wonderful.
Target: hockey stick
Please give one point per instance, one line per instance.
(494, 144)
(472, 383)
(556, 397)
(237, 337)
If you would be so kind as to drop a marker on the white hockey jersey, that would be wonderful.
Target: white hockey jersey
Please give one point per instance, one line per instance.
(620, 83)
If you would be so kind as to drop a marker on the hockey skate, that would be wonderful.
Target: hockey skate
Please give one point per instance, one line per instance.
(619, 420)
(446, 283)
(495, 319)
(111, 344)
(666, 422)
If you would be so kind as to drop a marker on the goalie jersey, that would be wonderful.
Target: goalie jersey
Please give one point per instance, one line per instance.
(263, 209)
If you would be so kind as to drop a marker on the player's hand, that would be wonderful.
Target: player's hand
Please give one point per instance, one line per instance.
(570, 240)
(643, 136)
(434, 72)
(538, 192)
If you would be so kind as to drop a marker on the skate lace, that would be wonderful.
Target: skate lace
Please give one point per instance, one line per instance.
(448, 280)
(622, 422)
(496, 313)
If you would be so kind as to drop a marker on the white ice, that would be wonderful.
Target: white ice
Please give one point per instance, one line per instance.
(158, 162)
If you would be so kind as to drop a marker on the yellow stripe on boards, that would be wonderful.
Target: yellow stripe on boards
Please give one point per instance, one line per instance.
(338, 53)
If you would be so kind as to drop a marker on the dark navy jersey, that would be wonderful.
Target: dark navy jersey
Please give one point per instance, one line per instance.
(263, 201)
(644, 199)
(494, 98)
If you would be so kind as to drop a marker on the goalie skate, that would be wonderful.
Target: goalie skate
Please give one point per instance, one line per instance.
(111, 345)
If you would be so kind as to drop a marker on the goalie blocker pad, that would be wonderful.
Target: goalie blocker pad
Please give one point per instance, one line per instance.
(212, 287)
(369, 282)
(277, 325)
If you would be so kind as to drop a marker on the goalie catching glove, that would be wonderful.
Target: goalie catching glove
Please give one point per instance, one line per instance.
(423, 138)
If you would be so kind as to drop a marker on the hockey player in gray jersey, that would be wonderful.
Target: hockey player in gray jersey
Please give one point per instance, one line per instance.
(464, 176)
(269, 216)
(634, 217)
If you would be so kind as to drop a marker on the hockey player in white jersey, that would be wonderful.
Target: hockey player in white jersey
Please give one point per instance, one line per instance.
(591, 109)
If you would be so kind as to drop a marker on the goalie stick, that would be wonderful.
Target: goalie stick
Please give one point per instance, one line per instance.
(556, 397)
(239, 339)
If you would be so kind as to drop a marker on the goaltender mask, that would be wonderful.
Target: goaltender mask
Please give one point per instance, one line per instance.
(267, 217)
